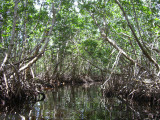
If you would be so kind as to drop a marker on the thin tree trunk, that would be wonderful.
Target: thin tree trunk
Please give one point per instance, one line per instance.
(113, 43)
(136, 38)
(38, 55)
(24, 42)
(6, 82)
(1, 24)
(12, 35)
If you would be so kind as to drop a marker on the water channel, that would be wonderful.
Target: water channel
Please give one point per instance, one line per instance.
(82, 102)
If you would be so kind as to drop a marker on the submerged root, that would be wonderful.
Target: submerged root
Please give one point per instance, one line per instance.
(23, 96)
(20, 94)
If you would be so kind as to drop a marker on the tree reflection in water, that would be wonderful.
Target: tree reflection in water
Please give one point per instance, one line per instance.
(83, 102)
(86, 102)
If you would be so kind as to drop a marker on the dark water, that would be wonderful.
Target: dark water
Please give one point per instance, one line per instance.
(81, 103)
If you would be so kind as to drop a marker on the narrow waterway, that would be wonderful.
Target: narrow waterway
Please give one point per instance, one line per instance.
(81, 102)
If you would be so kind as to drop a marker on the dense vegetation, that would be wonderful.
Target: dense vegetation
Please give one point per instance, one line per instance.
(114, 41)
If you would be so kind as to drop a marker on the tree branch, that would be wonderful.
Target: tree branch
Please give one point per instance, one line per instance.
(136, 38)
(12, 36)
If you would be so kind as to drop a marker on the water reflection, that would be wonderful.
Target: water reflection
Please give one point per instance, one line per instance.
(71, 102)
(81, 103)
(84, 103)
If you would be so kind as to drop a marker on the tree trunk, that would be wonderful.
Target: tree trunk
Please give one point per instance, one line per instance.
(39, 54)
(136, 38)
(12, 35)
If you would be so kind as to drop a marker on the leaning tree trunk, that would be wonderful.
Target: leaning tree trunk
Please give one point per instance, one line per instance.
(38, 53)
(136, 38)
(8, 53)
(12, 36)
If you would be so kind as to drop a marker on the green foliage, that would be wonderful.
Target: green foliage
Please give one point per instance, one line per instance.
(96, 50)
(78, 25)
(90, 46)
